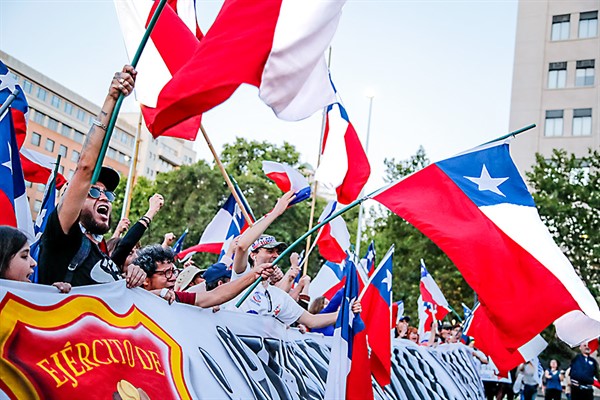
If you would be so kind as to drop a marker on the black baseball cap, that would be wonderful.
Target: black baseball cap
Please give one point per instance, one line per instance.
(109, 177)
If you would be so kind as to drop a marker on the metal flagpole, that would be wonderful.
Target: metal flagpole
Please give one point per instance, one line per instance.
(315, 183)
(132, 168)
(360, 208)
(226, 176)
(115, 113)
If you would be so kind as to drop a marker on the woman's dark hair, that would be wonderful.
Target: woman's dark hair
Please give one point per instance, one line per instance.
(11, 241)
(317, 305)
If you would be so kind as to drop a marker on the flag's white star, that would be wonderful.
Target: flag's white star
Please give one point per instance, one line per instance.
(486, 182)
(8, 81)
(388, 280)
(370, 256)
(8, 164)
(40, 218)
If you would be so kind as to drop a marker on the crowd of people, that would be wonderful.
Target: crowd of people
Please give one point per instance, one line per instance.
(74, 252)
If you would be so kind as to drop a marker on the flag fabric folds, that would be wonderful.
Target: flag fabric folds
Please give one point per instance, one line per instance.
(172, 43)
(328, 280)
(287, 178)
(19, 107)
(376, 303)
(13, 198)
(368, 261)
(432, 295)
(333, 239)
(344, 165)
(39, 168)
(479, 199)
(488, 340)
(397, 312)
(228, 223)
(178, 246)
(277, 46)
(349, 375)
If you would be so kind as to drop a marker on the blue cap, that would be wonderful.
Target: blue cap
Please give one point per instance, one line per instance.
(215, 272)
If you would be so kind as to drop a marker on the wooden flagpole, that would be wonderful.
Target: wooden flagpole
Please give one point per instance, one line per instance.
(132, 171)
(226, 177)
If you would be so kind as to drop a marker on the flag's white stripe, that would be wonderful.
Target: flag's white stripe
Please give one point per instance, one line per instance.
(339, 368)
(324, 281)
(23, 214)
(38, 158)
(216, 231)
(333, 166)
(434, 290)
(524, 226)
(187, 12)
(297, 64)
(153, 74)
(532, 348)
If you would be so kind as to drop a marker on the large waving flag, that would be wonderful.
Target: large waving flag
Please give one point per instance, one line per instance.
(19, 107)
(287, 178)
(344, 165)
(376, 303)
(349, 375)
(13, 198)
(488, 340)
(333, 239)
(277, 46)
(172, 43)
(226, 225)
(476, 208)
(39, 168)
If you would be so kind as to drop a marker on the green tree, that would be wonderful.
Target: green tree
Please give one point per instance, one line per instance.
(411, 245)
(566, 190)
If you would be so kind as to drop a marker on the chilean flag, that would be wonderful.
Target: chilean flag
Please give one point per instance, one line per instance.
(13, 199)
(39, 168)
(172, 43)
(397, 312)
(344, 165)
(432, 295)
(333, 239)
(376, 303)
(287, 178)
(368, 261)
(19, 107)
(488, 340)
(227, 224)
(349, 375)
(178, 246)
(477, 209)
(328, 281)
(276, 45)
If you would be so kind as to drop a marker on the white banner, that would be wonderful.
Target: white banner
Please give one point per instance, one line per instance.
(110, 342)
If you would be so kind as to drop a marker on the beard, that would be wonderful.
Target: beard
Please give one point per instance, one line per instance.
(94, 227)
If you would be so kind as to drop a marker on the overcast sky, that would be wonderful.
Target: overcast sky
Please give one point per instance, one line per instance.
(440, 71)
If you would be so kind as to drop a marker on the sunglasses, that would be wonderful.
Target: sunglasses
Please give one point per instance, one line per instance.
(96, 192)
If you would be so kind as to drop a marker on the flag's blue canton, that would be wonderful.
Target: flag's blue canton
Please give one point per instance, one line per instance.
(237, 221)
(383, 281)
(7, 85)
(11, 174)
(356, 325)
(337, 270)
(488, 177)
(179, 243)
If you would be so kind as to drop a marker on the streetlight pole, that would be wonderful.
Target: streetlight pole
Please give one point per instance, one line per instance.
(360, 206)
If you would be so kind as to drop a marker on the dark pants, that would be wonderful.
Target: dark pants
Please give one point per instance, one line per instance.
(529, 392)
(553, 394)
(581, 394)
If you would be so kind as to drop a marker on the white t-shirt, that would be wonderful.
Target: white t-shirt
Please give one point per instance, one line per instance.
(271, 301)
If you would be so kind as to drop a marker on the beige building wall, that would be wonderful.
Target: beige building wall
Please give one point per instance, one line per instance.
(532, 93)
(60, 119)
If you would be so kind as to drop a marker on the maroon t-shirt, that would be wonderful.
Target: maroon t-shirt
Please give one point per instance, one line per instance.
(185, 297)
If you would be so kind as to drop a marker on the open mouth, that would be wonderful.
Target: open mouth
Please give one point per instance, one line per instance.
(102, 210)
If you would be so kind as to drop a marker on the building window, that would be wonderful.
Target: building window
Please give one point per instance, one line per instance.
(582, 122)
(78, 137)
(52, 124)
(41, 94)
(50, 145)
(584, 74)
(71, 173)
(554, 123)
(61, 169)
(75, 156)
(557, 75)
(27, 86)
(68, 108)
(560, 27)
(65, 130)
(36, 138)
(80, 114)
(39, 117)
(55, 101)
(40, 187)
(62, 150)
(37, 205)
(588, 24)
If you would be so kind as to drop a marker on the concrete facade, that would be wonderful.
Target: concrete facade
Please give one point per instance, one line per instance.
(556, 42)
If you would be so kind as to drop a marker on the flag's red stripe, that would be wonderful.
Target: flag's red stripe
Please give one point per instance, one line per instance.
(7, 216)
(359, 169)
(375, 315)
(281, 179)
(329, 247)
(511, 283)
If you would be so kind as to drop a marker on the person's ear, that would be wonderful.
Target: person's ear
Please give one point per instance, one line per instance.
(146, 284)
